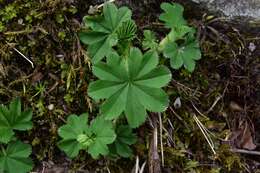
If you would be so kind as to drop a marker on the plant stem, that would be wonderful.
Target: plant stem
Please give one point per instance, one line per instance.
(3, 150)
(153, 157)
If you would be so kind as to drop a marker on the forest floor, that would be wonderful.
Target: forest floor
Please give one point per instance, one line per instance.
(223, 92)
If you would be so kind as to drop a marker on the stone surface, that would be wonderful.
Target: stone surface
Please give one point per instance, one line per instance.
(234, 8)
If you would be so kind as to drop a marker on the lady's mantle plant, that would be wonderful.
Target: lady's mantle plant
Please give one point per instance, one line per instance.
(131, 85)
(14, 155)
(180, 45)
(130, 81)
(78, 135)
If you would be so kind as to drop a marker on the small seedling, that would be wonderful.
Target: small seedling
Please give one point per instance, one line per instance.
(78, 135)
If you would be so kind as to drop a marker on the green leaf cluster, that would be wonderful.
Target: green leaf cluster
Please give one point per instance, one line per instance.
(104, 32)
(78, 135)
(180, 45)
(14, 155)
(130, 81)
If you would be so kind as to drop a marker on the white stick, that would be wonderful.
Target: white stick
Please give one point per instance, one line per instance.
(161, 141)
(101, 5)
(27, 59)
(24, 57)
(137, 165)
(205, 133)
(236, 150)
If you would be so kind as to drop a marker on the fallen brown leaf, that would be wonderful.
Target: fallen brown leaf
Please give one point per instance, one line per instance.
(242, 138)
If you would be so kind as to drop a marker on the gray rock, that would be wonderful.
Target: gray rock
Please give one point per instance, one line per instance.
(234, 8)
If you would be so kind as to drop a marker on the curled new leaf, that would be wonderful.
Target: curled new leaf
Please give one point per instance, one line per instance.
(127, 31)
(131, 85)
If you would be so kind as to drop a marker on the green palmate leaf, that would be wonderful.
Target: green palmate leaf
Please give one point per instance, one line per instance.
(173, 15)
(185, 55)
(15, 158)
(105, 31)
(149, 41)
(131, 85)
(12, 118)
(104, 133)
(70, 133)
(125, 137)
(78, 135)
